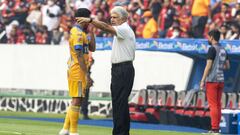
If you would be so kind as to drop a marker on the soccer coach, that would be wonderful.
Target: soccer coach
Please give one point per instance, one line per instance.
(123, 53)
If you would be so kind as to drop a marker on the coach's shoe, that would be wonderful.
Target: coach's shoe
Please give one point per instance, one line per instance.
(73, 134)
(63, 132)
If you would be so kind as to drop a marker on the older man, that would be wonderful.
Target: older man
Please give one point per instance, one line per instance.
(123, 53)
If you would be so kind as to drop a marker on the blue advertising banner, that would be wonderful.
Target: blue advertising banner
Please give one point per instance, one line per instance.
(173, 45)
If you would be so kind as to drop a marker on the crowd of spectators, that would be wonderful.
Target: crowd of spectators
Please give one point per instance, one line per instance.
(49, 21)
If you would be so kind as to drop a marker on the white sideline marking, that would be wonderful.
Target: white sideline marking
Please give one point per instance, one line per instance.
(11, 132)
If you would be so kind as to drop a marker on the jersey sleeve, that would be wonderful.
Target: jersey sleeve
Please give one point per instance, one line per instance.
(211, 53)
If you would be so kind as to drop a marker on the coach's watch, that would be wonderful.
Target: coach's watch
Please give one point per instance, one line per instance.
(90, 20)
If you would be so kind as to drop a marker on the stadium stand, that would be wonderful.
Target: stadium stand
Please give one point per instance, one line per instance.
(27, 21)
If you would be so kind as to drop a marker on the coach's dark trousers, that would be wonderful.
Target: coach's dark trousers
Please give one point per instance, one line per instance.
(121, 87)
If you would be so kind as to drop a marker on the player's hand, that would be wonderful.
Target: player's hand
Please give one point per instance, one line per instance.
(89, 81)
(202, 85)
(81, 20)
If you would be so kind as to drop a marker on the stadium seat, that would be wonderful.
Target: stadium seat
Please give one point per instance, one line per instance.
(201, 117)
(186, 112)
(170, 107)
(161, 98)
(161, 87)
(152, 110)
(167, 109)
(224, 100)
(231, 101)
(137, 110)
(201, 104)
(180, 99)
(138, 102)
(238, 101)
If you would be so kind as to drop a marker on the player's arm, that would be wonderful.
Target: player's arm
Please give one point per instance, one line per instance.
(92, 42)
(99, 24)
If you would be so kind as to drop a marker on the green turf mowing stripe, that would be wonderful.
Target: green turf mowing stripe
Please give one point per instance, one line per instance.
(28, 127)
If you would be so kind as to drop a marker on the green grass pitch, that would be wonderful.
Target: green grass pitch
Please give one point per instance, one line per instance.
(29, 127)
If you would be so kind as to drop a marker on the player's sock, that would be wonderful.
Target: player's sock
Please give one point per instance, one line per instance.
(66, 125)
(74, 115)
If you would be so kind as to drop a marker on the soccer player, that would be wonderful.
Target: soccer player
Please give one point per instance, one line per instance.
(78, 77)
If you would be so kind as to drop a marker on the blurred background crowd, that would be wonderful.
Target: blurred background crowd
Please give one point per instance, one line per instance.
(49, 21)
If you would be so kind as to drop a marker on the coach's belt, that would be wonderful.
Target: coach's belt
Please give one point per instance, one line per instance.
(122, 63)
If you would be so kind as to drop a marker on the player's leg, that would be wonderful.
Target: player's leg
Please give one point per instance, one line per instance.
(74, 113)
(76, 91)
(66, 125)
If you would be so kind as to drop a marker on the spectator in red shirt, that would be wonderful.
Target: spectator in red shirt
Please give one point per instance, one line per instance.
(155, 6)
(42, 36)
(185, 18)
(29, 35)
(20, 36)
(223, 30)
(166, 18)
(21, 8)
(144, 4)
(66, 22)
(7, 11)
(100, 17)
(96, 6)
(209, 27)
(174, 31)
(223, 16)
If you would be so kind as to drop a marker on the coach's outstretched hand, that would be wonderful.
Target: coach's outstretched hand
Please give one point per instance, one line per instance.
(83, 20)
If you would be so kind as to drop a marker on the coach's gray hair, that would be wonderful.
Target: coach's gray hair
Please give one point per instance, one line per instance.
(120, 11)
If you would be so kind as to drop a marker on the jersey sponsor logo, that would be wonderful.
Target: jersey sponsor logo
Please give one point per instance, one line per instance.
(80, 37)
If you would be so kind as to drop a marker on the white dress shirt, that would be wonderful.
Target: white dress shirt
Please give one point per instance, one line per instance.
(124, 44)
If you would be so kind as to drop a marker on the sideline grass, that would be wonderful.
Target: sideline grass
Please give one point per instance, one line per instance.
(28, 127)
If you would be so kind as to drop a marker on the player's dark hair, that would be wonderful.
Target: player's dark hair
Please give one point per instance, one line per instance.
(83, 12)
(215, 34)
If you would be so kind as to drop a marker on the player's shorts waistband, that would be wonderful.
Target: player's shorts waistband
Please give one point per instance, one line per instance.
(122, 63)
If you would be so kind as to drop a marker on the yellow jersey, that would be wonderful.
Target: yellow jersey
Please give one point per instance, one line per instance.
(78, 40)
